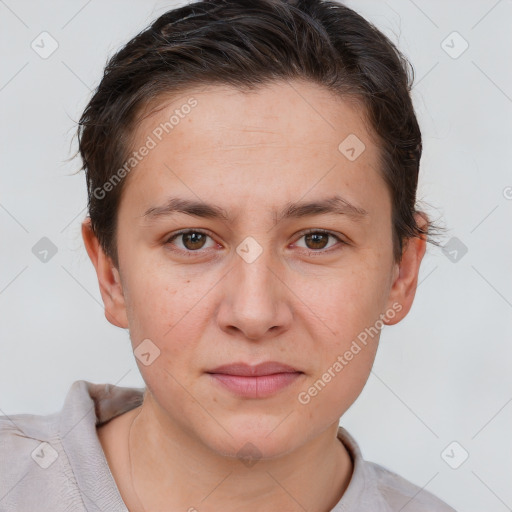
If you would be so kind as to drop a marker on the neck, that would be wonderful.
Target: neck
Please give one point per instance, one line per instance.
(169, 465)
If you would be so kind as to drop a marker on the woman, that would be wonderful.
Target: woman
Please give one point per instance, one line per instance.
(252, 171)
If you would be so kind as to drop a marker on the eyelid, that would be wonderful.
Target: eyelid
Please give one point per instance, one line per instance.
(340, 240)
(319, 230)
(185, 231)
(189, 230)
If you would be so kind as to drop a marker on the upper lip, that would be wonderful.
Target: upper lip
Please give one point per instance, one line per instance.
(247, 370)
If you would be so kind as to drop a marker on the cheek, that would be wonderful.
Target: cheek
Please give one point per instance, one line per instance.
(351, 308)
(342, 382)
(345, 359)
(149, 304)
(350, 301)
(339, 379)
(168, 308)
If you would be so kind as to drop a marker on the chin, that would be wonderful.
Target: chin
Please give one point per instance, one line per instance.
(254, 439)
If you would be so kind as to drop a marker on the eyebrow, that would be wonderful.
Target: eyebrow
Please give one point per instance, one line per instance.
(332, 205)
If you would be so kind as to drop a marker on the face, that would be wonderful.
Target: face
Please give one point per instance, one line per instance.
(272, 281)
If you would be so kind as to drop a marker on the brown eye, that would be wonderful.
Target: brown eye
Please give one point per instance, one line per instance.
(191, 240)
(317, 240)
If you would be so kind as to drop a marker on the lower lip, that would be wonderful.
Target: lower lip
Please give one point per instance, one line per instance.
(256, 387)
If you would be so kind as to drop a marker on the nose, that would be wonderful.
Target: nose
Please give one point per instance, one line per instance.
(256, 300)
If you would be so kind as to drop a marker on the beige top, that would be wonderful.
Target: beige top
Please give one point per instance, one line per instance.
(55, 463)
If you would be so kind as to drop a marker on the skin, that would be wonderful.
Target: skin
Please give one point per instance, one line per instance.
(248, 153)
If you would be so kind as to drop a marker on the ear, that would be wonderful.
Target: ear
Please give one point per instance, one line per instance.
(405, 277)
(108, 278)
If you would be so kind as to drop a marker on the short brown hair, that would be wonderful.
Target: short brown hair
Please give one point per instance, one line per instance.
(246, 44)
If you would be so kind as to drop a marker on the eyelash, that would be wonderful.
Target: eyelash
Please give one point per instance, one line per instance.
(302, 234)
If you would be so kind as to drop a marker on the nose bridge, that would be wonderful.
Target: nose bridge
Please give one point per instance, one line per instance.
(253, 299)
(253, 274)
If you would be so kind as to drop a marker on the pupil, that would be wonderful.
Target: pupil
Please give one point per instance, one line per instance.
(196, 239)
(315, 238)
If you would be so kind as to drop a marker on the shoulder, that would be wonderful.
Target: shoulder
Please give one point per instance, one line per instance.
(55, 462)
(400, 493)
(22, 434)
(34, 468)
(377, 488)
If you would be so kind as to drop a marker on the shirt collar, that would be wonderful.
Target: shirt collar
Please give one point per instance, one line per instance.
(88, 405)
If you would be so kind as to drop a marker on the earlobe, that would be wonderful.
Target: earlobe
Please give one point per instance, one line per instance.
(108, 278)
(405, 281)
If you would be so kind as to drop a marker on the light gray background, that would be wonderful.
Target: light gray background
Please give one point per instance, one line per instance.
(442, 375)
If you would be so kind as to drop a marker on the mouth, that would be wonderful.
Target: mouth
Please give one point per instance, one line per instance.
(247, 370)
(259, 381)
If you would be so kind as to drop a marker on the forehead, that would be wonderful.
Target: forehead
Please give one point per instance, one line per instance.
(283, 139)
(296, 111)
